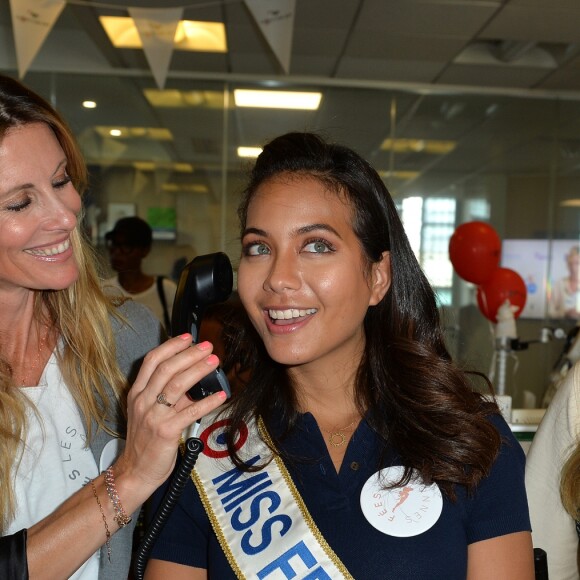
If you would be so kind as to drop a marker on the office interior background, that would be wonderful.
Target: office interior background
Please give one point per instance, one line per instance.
(468, 109)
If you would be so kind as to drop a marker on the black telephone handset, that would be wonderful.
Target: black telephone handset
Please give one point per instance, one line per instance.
(204, 281)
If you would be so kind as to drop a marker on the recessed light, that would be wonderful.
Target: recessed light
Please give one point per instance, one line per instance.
(277, 99)
(249, 151)
(89, 104)
(190, 35)
(430, 146)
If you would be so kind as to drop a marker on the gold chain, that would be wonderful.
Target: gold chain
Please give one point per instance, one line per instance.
(33, 368)
(337, 437)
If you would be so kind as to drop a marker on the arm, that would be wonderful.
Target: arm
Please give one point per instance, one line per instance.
(161, 570)
(553, 528)
(502, 558)
(153, 433)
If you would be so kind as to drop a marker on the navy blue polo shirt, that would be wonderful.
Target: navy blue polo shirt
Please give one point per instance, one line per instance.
(498, 507)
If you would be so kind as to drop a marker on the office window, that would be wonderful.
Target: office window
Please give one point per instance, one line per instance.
(438, 226)
(429, 223)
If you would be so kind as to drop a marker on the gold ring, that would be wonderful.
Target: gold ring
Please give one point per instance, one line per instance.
(162, 400)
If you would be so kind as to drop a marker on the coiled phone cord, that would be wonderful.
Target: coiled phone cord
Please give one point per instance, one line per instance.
(193, 447)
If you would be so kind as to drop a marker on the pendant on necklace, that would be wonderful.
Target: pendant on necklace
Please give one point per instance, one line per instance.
(337, 438)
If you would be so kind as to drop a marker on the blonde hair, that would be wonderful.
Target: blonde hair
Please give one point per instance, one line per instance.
(570, 484)
(81, 314)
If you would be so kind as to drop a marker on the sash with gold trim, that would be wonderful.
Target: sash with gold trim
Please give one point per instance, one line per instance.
(260, 519)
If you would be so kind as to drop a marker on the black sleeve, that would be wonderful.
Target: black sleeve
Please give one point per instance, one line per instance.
(13, 562)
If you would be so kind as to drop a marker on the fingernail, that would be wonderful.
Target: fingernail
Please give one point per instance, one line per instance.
(205, 345)
(212, 359)
(185, 336)
(222, 395)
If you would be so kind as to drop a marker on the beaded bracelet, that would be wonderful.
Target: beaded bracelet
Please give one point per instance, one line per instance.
(121, 517)
(107, 532)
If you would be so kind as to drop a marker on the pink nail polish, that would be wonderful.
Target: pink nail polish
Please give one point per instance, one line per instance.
(205, 345)
(212, 359)
(185, 336)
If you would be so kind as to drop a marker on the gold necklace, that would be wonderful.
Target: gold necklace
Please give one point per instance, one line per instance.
(33, 368)
(337, 437)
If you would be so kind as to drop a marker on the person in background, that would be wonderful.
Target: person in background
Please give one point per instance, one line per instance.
(564, 301)
(79, 451)
(357, 448)
(553, 480)
(129, 243)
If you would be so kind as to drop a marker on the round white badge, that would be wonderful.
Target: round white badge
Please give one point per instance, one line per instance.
(403, 511)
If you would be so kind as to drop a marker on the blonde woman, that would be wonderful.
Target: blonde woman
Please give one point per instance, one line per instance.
(553, 480)
(570, 492)
(68, 484)
(565, 298)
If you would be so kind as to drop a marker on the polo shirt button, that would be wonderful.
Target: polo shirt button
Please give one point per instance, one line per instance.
(354, 466)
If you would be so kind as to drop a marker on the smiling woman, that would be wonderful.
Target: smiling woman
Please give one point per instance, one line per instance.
(68, 358)
(357, 448)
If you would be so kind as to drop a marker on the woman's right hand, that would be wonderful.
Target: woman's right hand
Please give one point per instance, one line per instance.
(154, 429)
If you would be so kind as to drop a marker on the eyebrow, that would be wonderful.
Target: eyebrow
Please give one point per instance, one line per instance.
(300, 231)
(22, 186)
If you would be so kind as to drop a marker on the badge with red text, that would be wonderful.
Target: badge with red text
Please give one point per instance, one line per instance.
(403, 511)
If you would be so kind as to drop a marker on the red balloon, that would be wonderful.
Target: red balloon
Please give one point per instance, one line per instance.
(504, 284)
(474, 251)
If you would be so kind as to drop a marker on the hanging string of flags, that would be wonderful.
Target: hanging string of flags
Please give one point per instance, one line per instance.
(275, 18)
(32, 21)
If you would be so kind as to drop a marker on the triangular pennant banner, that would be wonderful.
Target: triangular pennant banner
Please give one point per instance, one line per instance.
(32, 20)
(276, 21)
(156, 28)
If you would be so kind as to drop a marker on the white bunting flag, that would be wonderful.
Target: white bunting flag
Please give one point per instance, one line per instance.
(32, 20)
(156, 28)
(276, 21)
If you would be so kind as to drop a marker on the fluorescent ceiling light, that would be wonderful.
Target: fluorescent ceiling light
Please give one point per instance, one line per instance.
(89, 104)
(190, 187)
(430, 146)
(172, 98)
(277, 99)
(249, 151)
(404, 175)
(190, 35)
(153, 133)
(153, 165)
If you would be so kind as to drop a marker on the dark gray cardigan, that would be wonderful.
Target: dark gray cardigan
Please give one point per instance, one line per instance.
(133, 342)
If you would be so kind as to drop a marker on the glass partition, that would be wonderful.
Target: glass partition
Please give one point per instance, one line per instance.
(448, 157)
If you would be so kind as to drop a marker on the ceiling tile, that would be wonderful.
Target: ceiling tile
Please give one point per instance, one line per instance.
(461, 19)
(404, 47)
(389, 70)
(491, 76)
(542, 24)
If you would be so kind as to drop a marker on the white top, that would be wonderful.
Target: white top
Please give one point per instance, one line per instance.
(55, 463)
(553, 528)
(149, 298)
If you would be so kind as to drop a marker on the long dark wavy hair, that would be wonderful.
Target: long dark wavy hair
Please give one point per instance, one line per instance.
(417, 400)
